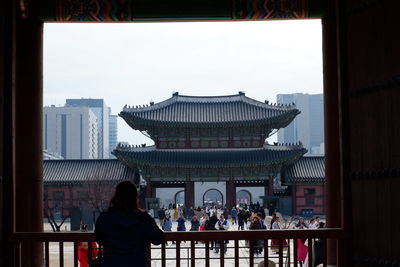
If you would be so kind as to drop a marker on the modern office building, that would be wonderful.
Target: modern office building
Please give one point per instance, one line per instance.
(70, 132)
(308, 126)
(100, 109)
(113, 133)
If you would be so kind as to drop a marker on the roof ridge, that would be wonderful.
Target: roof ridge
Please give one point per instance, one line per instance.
(176, 97)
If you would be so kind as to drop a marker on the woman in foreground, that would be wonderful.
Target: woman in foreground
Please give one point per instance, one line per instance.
(124, 230)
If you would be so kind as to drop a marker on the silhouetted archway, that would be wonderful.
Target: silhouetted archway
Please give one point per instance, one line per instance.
(243, 197)
(213, 197)
(180, 198)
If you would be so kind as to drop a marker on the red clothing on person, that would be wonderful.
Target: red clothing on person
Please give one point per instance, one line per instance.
(302, 250)
(83, 253)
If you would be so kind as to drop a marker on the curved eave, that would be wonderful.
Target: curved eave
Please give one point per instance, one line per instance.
(305, 181)
(163, 159)
(276, 122)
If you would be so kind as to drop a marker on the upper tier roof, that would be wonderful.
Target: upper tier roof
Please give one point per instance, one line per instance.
(209, 110)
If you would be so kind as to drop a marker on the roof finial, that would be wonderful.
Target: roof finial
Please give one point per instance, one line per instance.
(241, 93)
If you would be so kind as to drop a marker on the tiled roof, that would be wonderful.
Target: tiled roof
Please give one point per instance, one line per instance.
(209, 110)
(81, 170)
(306, 170)
(150, 156)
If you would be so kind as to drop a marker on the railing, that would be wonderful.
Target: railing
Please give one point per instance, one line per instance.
(279, 246)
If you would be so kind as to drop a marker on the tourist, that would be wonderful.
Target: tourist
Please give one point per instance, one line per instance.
(197, 212)
(167, 225)
(234, 214)
(191, 213)
(176, 213)
(275, 242)
(195, 224)
(312, 225)
(301, 224)
(302, 251)
(124, 230)
(222, 225)
(260, 215)
(257, 225)
(319, 247)
(181, 224)
(272, 220)
(246, 218)
(161, 215)
(210, 226)
(241, 220)
(203, 221)
(83, 249)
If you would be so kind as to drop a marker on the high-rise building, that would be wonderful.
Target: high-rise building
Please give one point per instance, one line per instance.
(70, 132)
(308, 126)
(113, 135)
(100, 109)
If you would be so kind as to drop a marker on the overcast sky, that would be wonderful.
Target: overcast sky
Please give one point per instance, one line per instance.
(135, 63)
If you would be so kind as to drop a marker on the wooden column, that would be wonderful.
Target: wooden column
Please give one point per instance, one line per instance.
(28, 134)
(331, 128)
(294, 199)
(7, 113)
(270, 185)
(189, 193)
(230, 193)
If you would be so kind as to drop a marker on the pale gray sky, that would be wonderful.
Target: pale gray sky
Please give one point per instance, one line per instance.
(135, 63)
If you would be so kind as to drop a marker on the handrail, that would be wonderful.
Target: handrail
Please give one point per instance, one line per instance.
(281, 241)
(336, 233)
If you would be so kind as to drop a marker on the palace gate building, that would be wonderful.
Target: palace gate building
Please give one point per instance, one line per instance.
(211, 149)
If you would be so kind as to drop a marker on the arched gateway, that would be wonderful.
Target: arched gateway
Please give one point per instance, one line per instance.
(209, 139)
(213, 197)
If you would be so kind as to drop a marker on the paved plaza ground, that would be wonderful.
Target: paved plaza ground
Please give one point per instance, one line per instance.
(171, 253)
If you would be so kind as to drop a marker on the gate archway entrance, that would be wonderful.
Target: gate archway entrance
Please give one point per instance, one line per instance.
(243, 197)
(180, 198)
(213, 197)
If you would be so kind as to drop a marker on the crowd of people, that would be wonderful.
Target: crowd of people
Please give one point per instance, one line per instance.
(246, 217)
(125, 229)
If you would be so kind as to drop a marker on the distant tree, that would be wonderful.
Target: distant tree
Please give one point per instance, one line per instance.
(98, 192)
(54, 204)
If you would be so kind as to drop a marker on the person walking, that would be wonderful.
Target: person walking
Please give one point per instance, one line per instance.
(195, 225)
(161, 215)
(167, 225)
(241, 219)
(124, 230)
(234, 214)
(210, 226)
(222, 225)
(181, 224)
(275, 242)
(257, 225)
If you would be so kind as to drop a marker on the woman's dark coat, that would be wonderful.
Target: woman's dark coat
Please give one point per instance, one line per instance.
(125, 235)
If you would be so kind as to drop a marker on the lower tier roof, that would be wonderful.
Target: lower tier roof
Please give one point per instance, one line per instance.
(209, 158)
(308, 170)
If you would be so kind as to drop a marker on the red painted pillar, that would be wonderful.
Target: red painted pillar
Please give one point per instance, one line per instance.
(189, 193)
(230, 193)
(270, 186)
(28, 135)
(331, 128)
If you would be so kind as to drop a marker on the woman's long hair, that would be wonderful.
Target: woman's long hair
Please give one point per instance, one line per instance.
(125, 197)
